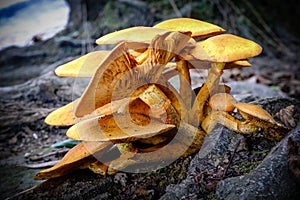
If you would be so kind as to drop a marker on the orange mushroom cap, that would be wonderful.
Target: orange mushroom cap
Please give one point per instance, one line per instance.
(222, 102)
(255, 111)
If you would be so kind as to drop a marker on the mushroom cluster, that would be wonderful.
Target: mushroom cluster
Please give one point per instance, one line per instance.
(132, 118)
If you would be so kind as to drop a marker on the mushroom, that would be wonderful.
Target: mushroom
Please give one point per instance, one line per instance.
(199, 29)
(222, 102)
(219, 50)
(255, 118)
(129, 107)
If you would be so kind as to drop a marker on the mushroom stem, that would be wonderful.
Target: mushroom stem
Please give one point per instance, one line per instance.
(185, 81)
(208, 87)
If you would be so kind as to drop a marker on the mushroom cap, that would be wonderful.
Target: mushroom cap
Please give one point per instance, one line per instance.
(222, 102)
(133, 34)
(84, 66)
(225, 48)
(199, 29)
(237, 64)
(254, 111)
(63, 116)
(117, 128)
(78, 157)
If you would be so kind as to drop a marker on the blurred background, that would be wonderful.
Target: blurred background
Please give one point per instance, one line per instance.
(56, 29)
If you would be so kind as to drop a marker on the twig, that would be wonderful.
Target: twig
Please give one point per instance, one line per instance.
(22, 192)
(49, 154)
(86, 45)
(231, 158)
(175, 8)
(42, 165)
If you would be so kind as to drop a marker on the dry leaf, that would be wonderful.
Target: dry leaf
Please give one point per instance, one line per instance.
(286, 115)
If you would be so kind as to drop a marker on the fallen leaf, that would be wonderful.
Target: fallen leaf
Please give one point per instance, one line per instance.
(286, 115)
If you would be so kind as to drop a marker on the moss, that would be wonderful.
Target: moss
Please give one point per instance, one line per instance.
(245, 167)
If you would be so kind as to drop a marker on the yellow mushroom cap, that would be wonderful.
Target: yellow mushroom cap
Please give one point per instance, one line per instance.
(222, 102)
(117, 127)
(255, 111)
(84, 66)
(133, 34)
(63, 116)
(225, 48)
(237, 64)
(199, 29)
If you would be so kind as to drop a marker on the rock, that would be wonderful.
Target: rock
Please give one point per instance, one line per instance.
(255, 91)
(270, 180)
(203, 166)
(294, 159)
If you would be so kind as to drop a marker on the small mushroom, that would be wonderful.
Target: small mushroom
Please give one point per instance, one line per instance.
(255, 117)
(253, 111)
(222, 102)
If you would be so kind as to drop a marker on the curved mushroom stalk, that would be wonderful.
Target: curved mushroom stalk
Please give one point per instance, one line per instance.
(221, 117)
